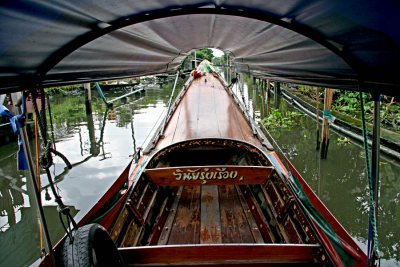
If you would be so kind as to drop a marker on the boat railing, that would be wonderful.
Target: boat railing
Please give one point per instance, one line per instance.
(170, 111)
(256, 132)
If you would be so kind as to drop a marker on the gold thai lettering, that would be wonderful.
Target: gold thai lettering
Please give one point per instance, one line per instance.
(187, 176)
(178, 174)
(205, 174)
(233, 174)
(195, 175)
(209, 175)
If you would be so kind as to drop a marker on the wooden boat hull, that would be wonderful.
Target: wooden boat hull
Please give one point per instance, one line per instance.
(211, 191)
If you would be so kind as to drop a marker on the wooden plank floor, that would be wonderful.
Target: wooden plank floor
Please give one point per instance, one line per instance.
(210, 214)
(207, 111)
(186, 225)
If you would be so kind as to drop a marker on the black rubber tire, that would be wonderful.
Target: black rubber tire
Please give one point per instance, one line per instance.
(92, 246)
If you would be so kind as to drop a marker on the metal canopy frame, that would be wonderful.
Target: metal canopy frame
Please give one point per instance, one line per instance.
(292, 17)
(64, 51)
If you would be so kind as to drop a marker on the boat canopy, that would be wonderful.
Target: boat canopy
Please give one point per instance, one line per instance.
(347, 44)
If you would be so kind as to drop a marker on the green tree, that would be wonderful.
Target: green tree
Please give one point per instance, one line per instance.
(219, 61)
(201, 54)
(204, 53)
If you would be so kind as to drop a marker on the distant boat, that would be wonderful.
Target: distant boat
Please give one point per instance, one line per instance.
(209, 190)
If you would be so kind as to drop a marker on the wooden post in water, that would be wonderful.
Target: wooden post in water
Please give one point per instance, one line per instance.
(325, 125)
(254, 96)
(277, 92)
(317, 115)
(228, 70)
(268, 94)
(88, 98)
(261, 84)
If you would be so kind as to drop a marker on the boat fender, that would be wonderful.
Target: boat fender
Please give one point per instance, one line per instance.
(91, 246)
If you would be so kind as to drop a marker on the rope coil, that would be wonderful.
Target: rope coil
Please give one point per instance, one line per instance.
(46, 159)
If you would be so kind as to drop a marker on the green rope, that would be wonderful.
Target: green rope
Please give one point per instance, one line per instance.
(372, 214)
(322, 223)
(103, 212)
(327, 114)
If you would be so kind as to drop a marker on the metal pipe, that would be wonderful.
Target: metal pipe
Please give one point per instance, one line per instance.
(36, 195)
(125, 95)
(375, 147)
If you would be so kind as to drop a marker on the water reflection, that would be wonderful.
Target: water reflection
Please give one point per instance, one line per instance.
(340, 181)
(99, 145)
(11, 199)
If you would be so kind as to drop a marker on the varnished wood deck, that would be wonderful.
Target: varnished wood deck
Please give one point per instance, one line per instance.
(210, 215)
(183, 212)
(207, 110)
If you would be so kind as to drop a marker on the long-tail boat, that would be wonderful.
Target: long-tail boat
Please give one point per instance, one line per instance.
(209, 190)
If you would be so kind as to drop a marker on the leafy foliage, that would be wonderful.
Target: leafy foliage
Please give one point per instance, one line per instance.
(276, 119)
(204, 53)
(343, 141)
(201, 54)
(348, 103)
(219, 61)
(65, 90)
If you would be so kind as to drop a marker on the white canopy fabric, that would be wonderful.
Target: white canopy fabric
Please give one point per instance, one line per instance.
(348, 44)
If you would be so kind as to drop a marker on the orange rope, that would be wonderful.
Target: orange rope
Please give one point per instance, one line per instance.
(38, 176)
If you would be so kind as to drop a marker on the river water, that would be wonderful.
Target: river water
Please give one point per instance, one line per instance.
(101, 145)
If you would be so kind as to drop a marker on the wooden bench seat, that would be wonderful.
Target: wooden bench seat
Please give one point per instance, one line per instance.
(210, 175)
(223, 255)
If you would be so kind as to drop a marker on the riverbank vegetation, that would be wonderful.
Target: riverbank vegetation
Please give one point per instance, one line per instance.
(346, 105)
(277, 118)
(65, 90)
